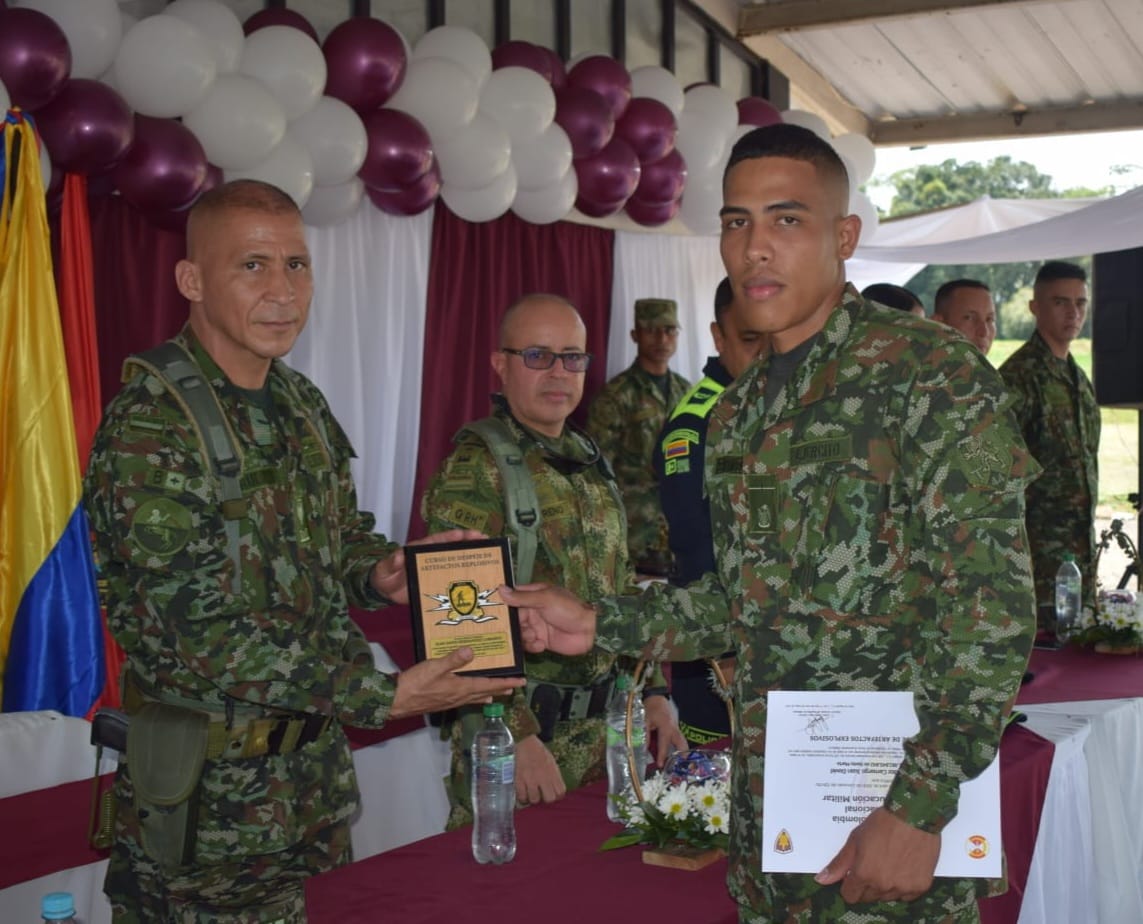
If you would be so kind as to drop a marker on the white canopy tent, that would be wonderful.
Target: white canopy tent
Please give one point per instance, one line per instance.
(999, 231)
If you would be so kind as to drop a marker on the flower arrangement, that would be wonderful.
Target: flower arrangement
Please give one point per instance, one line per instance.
(1116, 623)
(687, 803)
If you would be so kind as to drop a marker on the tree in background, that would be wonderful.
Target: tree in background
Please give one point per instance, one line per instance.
(929, 187)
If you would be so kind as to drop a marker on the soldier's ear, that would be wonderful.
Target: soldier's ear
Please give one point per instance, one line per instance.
(189, 280)
(498, 360)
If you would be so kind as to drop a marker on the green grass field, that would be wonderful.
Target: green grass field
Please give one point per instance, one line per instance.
(1119, 440)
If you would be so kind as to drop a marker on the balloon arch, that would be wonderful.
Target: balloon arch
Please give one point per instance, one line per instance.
(164, 108)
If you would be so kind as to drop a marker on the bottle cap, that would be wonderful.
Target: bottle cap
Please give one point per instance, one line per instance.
(494, 710)
(1068, 556)
(57, 906)
(623, 683)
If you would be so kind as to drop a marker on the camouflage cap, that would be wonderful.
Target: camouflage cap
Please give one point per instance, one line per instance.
(656, 312)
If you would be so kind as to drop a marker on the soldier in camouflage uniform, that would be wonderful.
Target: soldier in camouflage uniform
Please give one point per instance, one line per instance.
(626, 417)
(581, 544)
(866, 481)
(1059, 417)
(234, 616)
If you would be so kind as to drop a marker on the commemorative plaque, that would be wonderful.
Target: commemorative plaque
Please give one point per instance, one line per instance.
(455, 602)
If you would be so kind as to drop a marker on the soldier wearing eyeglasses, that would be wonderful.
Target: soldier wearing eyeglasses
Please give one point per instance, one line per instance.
(626, 417)
(580, 542)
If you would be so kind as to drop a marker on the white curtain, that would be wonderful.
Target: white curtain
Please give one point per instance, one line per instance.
(363, 347)
(685, 268)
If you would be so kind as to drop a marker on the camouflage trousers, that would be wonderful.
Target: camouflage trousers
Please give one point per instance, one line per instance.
(578, 747)
(255, 889)
(952, 902)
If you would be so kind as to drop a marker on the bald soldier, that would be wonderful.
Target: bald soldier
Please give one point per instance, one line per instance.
(226, 524)
(571, 531)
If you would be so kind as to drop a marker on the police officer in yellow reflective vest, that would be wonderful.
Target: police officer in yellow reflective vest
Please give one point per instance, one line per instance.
(678, 462)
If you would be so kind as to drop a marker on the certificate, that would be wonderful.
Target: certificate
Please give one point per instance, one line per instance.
(454, 599)
(830, 759)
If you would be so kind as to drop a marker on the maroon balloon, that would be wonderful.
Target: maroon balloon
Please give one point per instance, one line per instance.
(365, 62)
(754, 110)
(164, 168)
(610, 176)
(280, 17)
(663, 181)
(399, 152)
(413, 199)
(598, 209)
(523, 54)
(559, 72)
(35, 58)
(586, 118)
(605, 76)
(214, 177)
(651, 214)
(649, 127)
(87, 127)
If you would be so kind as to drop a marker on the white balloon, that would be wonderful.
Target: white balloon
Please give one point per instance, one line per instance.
(476, 155)
(335, 137)
(541, 162)
(702, 200)
(520, 100)
(810, 120)
(92, 28)
(862, 206)
(543, 206)
(164, 67)
(288, 167)
(484, 204)
(218, 23)
(289, 63)
(861, 153)
(238, 123)
(654, 82)
(439, 94)
(700, 140)
(716, 104)
(850, 171)
(331, 205)
(461, 46)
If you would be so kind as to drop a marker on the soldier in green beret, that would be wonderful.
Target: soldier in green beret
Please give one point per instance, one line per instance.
(227, 527)
(626, 417)
(571, 531)
(866, 479)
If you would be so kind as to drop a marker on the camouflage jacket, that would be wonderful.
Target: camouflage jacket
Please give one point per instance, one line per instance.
(276, 636)
(582, 543)
(1055, 404)
(625, 419)
(869, 535)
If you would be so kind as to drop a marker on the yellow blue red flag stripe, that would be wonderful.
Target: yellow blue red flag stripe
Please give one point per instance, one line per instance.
(51, 644)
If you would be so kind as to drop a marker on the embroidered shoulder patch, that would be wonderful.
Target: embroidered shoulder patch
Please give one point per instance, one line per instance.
(161, 526)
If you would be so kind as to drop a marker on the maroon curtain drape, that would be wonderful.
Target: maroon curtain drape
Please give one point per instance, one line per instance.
(475, 272)
(136, 301)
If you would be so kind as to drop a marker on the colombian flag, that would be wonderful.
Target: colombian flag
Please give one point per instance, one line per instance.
(51, 644)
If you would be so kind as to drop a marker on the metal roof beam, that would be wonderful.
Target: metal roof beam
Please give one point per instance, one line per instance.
(1096, 117)
(793, 15)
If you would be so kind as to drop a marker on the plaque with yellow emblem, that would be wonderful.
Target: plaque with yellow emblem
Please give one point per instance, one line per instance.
(454, 596)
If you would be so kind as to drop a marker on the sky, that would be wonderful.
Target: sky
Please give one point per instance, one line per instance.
(1070, 160)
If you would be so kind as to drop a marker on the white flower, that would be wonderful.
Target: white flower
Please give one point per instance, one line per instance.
(654, 788)
(634, 815)
(674, 803)
(706, 795)
(718, 822)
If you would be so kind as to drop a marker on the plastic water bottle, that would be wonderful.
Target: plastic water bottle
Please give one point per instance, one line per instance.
(58, 907)
(493, 789)
(1068, 587)
(618, 768)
